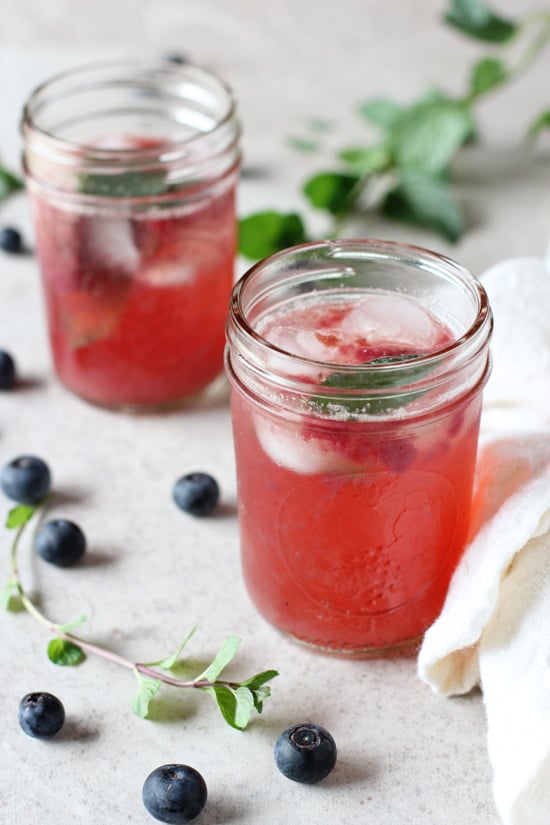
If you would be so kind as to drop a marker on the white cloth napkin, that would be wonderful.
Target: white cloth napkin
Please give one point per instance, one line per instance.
(494, 629)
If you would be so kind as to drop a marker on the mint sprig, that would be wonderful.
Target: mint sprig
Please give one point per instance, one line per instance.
(405, 174)
(9, 183)
(236, 700)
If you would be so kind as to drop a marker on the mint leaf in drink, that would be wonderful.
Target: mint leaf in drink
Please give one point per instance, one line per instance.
(331, 191)
(124, 185)
(235, 704)
(264, 233)
(428, 134)
(541, 122)
(380, 112)
(9, 183)
(18, 516)
(223, 657)
(64, 653)
(148, 688)
(475, 18)
(424, 200)
(486, 74)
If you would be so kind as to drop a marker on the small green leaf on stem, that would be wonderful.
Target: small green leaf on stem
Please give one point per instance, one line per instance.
(380, 112)
(19, 516)
(64, 653)
(475, 18)
(9, 183)
(169, 662)
(259, 679)
(424, 200)
(7, 593)
(235, 704)
(221, 660)
(486, 74)
(364, 160)
(148, 688)
(264, 233)
(539, 124)
(331, 191)
(68, 626)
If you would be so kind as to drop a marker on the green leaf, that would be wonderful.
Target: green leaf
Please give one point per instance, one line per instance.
(302, 144)
(260, 695)
(65, 628)
(7, 592)
(148, 688)
(539, 123)
(486, 74)
(222, 659)
(377, 380)
(169, 662)
(9, 183)
(124, 185)
(259, 679)
(20, 515)
(364, 160)
(475, 18)
(265, 233)
(429, 134)
(235, 704)
(331, 191)
(65, 653)
(381, 112)
(423, 200)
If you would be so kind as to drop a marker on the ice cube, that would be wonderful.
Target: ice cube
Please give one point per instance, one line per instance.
(108, 244)
(307, 343)
(392, 319)
(286, 446)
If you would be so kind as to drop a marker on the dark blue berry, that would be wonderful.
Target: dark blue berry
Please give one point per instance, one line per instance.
(41, 715)
(174, 793)
(7, 370)
(26, 479)
(10, 239)
(305, 753)
(60, 542)
(196, 493)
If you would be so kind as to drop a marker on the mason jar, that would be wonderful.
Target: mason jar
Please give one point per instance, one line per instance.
(357, 369)
(131, 168)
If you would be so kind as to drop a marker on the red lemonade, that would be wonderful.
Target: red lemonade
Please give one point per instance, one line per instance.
(355, 418)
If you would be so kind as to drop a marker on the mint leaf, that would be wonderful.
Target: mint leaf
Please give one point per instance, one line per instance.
(169, 662)
(148, 688)
(259, 679)
(364, 160)
(425, 201)
(265, 233)
(475, 18)
(20, 515)
(377, 380)
(428, 135)
(539, 123)
(124, 185)
(65, 628)
(64, 653)
(223, 657)
(331, 191)
(235, 704)
(9, 183)
(7, 593)
(381, 112)
(486, 74)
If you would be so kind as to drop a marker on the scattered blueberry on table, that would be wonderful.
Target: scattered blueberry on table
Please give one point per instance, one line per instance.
(60, 542)
(196, 493)
(11, 240)
(41, 715)
(174, 793)
(305, 753)
(7, 370)
(26, 479)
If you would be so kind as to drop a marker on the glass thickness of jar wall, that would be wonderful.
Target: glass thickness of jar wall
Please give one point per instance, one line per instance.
(131, 169)
(357, 370)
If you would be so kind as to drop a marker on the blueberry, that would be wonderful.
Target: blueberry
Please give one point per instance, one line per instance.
(60, 542)
(41, 715)
(7, 370)
(174, 793)
(10, 239)
(305, 753)
(196, 493)
(26, 479)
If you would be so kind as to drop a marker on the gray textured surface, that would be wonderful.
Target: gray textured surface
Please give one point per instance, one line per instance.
(406, 756)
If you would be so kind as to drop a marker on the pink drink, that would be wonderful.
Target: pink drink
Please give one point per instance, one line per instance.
(353, 514)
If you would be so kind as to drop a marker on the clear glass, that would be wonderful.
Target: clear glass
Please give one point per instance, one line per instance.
(131, 169)
(357, 369)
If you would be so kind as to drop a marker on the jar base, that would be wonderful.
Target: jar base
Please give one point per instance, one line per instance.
(404, 649)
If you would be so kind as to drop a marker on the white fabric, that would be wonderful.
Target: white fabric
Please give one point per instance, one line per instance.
(494, 629)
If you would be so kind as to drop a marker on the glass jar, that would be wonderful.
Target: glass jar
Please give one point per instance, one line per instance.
(357, 368)
(131, 169)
